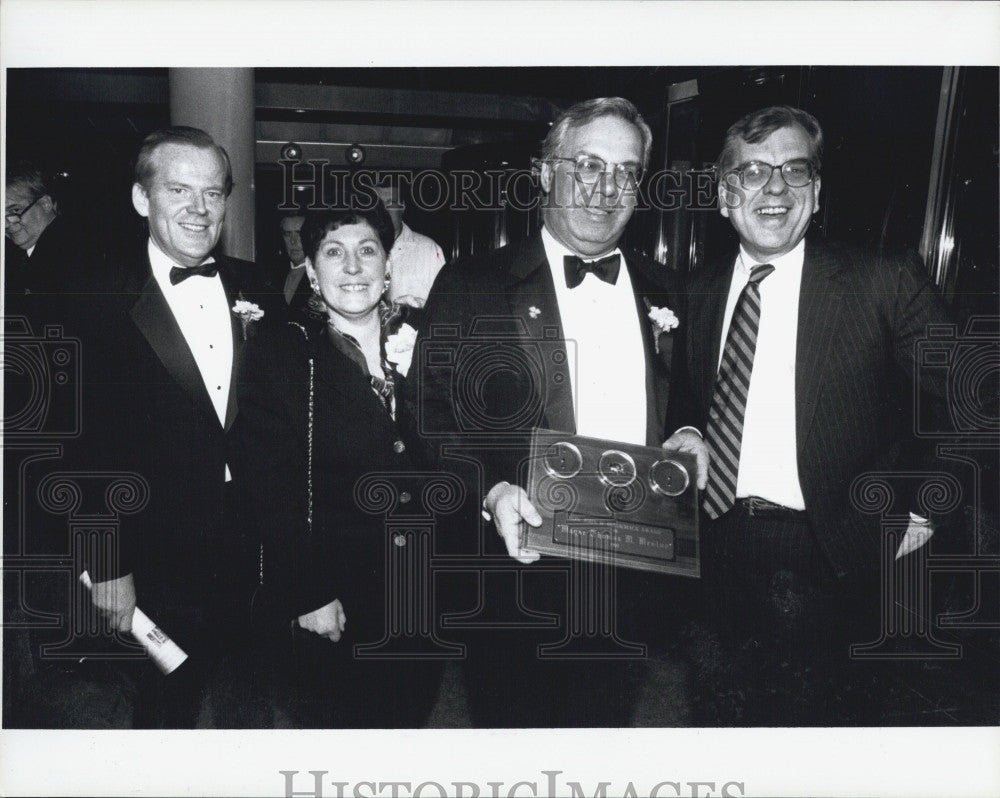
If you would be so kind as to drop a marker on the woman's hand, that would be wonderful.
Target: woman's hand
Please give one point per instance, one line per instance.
(329, 621)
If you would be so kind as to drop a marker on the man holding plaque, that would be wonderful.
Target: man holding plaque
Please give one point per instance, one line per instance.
(577, 305)
(801, 356)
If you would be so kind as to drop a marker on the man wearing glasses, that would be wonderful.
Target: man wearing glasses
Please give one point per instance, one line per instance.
(801, 355)
(47, 265)
(571, 288)
(35, 254)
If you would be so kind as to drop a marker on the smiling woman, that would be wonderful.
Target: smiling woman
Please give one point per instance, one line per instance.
(318, 412)
(348, 267)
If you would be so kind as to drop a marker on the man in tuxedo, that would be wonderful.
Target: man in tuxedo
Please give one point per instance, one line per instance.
(172, 338)
(574, 296)
(801, 359)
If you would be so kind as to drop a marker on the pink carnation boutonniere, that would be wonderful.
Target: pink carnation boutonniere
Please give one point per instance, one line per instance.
(664, 320)
(248, 313)
(399, 348)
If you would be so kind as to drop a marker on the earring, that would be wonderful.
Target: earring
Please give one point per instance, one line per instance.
(314, 285)
(386, 281)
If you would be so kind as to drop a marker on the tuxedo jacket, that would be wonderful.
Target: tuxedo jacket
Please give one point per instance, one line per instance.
(147, 412)
(489, 365)
(860, 319)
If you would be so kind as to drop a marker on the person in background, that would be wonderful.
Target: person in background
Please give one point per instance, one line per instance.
(45, 259)
(415, 259)
(296, 290)
(52, 271)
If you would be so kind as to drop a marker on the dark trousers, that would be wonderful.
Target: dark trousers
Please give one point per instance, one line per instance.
(110, 687)
(774, 650)
(571, 674)
(310, 682)
(510, 684)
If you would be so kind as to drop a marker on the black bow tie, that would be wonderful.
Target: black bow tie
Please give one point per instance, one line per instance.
(179, 274)
(604, 268)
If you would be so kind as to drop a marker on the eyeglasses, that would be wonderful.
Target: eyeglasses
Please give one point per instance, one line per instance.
(796, 173)
(13, 217)
(590, 168)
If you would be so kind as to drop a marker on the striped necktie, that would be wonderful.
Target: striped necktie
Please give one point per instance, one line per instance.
(729, 400)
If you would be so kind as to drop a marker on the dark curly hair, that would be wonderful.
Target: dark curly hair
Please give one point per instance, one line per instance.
(320, 221)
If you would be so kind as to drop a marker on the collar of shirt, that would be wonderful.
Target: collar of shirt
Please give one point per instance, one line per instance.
(161, 264)
(555, 251)
(405, 242)
(791, 260)
(608, 371)
(768, 454)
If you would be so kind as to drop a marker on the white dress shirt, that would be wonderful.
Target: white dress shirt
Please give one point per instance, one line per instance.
(414, 262)
(602, 330)
(201, 309)
(768, 454)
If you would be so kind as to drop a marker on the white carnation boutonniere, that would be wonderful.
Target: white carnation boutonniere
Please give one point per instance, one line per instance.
(248, 313)
(664, 320)
(399, 348)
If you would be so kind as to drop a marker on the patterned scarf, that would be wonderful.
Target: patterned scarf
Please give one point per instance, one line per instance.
(391, 317)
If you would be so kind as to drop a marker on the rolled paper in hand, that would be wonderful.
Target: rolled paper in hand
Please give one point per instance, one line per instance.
(165, 653)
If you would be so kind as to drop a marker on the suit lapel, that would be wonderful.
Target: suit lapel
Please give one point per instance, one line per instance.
(820, 311)
(533, 304)
(154, 319)
(230, 285)
(706, 315)
(152, 315)
(648, 294)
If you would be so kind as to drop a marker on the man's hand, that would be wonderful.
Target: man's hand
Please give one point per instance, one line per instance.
(510, 508)
(329, 621)
(115, 600)
(918, 532)
(687, 440)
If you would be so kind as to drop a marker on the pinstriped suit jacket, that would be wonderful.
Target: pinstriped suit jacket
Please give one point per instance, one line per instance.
(860, 319)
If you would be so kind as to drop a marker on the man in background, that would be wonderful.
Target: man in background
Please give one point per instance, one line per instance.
(45, 262)
(296, 290)
(415, 259)
(52, 272)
